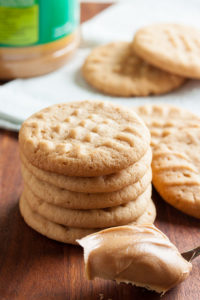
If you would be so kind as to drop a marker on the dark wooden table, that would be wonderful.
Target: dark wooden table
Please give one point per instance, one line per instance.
(33, 267)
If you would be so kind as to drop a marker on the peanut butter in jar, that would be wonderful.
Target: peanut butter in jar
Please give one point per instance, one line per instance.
(36, 36)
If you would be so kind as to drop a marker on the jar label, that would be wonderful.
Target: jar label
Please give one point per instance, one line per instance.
(35, 22)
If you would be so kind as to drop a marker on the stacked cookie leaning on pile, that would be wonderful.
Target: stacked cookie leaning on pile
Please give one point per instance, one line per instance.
(175, 142)
(157, 61)
(86, 166)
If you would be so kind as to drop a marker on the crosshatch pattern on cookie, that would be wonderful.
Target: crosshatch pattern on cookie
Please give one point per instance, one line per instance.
(84, 138)
(178, 51)
(176, 170)
(163, 119)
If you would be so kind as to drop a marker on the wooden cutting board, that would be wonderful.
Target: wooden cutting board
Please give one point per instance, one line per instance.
(33, 267)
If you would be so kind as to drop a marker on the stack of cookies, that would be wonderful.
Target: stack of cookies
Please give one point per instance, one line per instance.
(157, 61)
(86, 166)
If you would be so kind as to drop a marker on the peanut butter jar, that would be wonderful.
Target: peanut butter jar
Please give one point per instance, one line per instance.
(36, 36)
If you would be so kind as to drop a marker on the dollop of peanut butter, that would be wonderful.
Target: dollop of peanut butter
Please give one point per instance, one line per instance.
(141, 255)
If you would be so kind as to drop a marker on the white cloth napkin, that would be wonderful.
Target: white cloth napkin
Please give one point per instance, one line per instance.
(22, 97)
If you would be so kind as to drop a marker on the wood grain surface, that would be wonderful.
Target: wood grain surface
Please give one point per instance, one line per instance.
(33, 267)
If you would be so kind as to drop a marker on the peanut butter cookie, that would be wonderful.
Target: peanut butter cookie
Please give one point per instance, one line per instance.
(88, 138)
(70, 234)
(116, 70)
(99, 184)
(74, 200)
(176, 170)
(93, 218)
(170, 47)
(163, 119)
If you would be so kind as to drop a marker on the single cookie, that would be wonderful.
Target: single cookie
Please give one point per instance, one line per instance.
(100, 184)
(93, 218)
(84, 138)
(170, 47)
(176, 170)
(162, 119)
(69, 234)
(63, 198)
(114, 69)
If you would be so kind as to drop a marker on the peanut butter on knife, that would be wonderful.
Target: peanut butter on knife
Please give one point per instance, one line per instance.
(141, 255)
